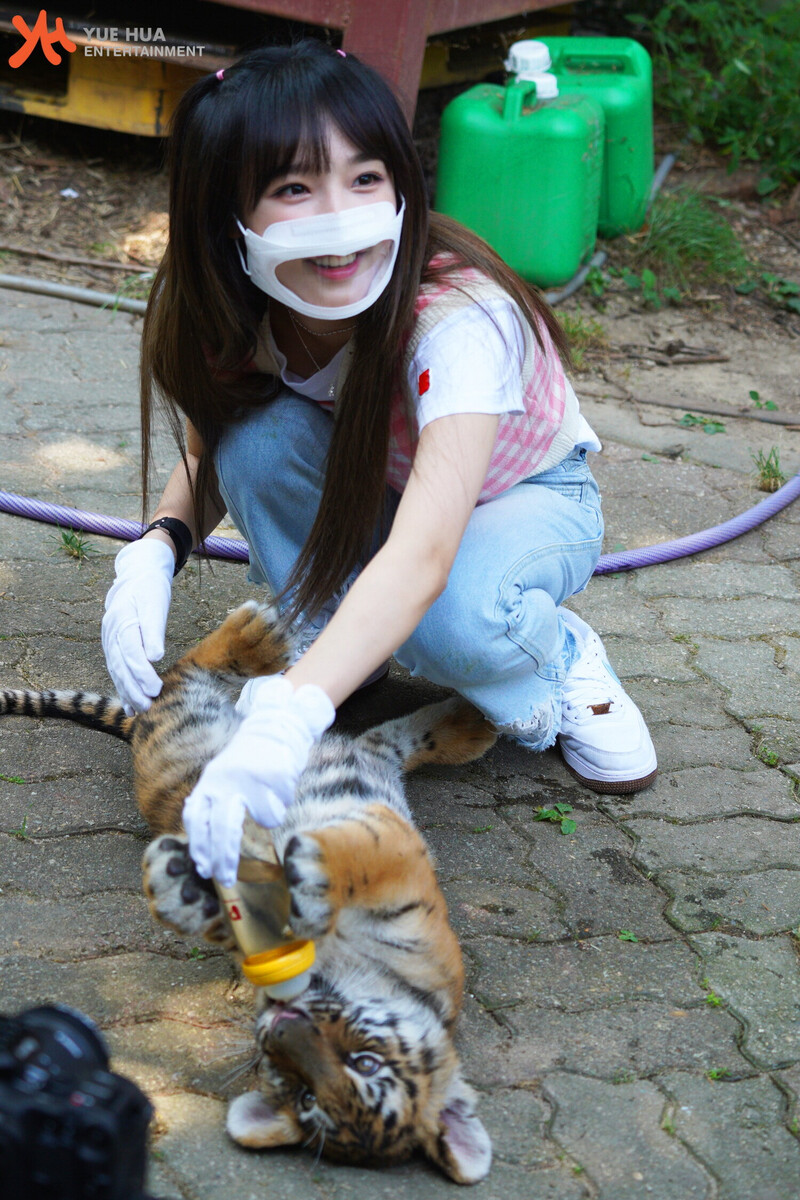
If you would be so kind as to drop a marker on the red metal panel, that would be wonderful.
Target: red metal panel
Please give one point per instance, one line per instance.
(332, 13)
(461, 14)
(392, 39)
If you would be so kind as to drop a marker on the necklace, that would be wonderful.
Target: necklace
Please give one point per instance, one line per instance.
(317, 367)
(315, 333)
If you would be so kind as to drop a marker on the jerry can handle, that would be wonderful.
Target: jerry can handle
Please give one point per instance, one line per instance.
(516, 95)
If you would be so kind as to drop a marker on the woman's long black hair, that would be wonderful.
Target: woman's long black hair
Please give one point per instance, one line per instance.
(273, 109)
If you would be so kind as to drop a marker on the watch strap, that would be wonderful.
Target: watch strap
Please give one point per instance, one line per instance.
(181, 536)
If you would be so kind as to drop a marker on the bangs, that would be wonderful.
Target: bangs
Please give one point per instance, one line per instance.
(297, 137)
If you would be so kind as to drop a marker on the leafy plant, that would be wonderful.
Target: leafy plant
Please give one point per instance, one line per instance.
(74, 544)
(717, 1073)
(759, 403)
(558, 814)
(12, 778)
(688, 420)
(625, 935)
(22, 833)
(727, 71)
(768, 470)
(714, 1000)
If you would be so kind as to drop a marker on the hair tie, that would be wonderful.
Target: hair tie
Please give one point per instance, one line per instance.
(220, 74)
(342, 53)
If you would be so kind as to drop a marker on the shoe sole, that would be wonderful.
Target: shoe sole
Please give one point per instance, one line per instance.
(607, 787)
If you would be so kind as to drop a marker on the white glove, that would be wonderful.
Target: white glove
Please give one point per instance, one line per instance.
(137, 606)
(257, 772)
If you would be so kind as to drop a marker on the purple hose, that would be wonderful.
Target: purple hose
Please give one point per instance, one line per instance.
(234, 548)
(86, 522)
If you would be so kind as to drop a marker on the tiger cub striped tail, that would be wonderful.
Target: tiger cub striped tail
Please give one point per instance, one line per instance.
(103, 713)
(449, 733)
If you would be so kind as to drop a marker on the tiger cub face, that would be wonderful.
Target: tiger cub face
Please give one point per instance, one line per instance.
(363, 1078)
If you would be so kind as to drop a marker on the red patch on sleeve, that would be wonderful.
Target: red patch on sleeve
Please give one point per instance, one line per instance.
(424, 382)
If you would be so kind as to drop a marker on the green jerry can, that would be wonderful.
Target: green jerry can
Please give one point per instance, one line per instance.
(521, 166)
(618, 73)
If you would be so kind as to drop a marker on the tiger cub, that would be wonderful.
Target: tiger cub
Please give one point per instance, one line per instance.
(362, 1065)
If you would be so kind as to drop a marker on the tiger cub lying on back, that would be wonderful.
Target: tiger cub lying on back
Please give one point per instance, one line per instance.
(362, 1064)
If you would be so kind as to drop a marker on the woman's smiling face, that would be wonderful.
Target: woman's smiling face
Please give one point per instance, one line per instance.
(353, 180)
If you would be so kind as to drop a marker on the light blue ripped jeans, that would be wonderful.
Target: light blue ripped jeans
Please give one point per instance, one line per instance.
(494, 634)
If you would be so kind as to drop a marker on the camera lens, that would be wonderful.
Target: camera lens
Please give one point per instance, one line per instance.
(68, 1036)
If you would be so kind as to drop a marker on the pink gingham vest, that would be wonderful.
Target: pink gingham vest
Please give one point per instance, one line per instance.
(528, 442)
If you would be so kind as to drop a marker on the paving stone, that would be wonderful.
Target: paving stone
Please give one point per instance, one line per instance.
(603, 972)
(711, 791)
(614, 1133)
(38, 751)
(781, 541)
(778, 735)
(414, 1179)
(756, 686)
(731, 618)
(658, 660)
(479, 907)
(608, 617)
(716, 581)
(497, 854)
(735, 844)
(760, 902)
(678, 747)
(735, 1129)
(162, 1055)
(592, 873)
(124, 987)
(204, 1162)
(65, 805)
(760, 980)
(517, 1046)
(72, 866)
(58, 663)
(696, 704)
(83, 927)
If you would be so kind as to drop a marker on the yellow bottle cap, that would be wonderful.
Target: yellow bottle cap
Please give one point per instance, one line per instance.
(280, 964)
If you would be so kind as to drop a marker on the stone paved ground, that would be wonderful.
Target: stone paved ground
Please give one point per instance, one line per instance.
(666, 1067)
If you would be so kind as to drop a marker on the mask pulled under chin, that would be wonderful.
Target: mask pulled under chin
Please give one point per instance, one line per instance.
(337, 233)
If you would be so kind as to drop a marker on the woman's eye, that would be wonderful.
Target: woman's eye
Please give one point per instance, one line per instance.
(365, 1064)
(290, 189)
(369, 177)
(307, 1100)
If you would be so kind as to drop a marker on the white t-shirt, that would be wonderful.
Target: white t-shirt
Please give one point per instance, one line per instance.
(472, 358)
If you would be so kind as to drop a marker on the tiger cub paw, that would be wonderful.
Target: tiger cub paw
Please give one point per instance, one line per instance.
(178, 896)
(309, 886)
(248, 642)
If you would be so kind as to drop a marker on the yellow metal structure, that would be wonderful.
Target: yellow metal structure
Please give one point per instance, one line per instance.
(128, 94)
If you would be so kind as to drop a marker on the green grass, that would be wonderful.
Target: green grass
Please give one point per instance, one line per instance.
(688, 242)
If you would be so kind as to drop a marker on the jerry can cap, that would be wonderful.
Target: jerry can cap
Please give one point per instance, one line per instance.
(528, 58)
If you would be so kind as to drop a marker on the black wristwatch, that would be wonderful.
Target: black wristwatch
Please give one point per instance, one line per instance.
(181, 537)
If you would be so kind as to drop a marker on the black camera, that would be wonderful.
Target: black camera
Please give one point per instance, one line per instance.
(69, 1128)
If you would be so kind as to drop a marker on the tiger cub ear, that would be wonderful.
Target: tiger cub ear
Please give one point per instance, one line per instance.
(460, 1146)
(251, 1122)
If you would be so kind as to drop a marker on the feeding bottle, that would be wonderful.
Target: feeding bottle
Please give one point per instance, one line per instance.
(258, 911)
(521, 166)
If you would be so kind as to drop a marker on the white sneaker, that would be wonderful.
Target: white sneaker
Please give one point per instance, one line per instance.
(604, 740)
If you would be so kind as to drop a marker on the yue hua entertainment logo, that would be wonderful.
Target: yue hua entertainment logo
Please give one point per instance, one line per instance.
(96, 42)
(143, 42)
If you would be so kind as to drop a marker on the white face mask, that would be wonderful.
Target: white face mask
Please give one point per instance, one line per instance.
(365, 227)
